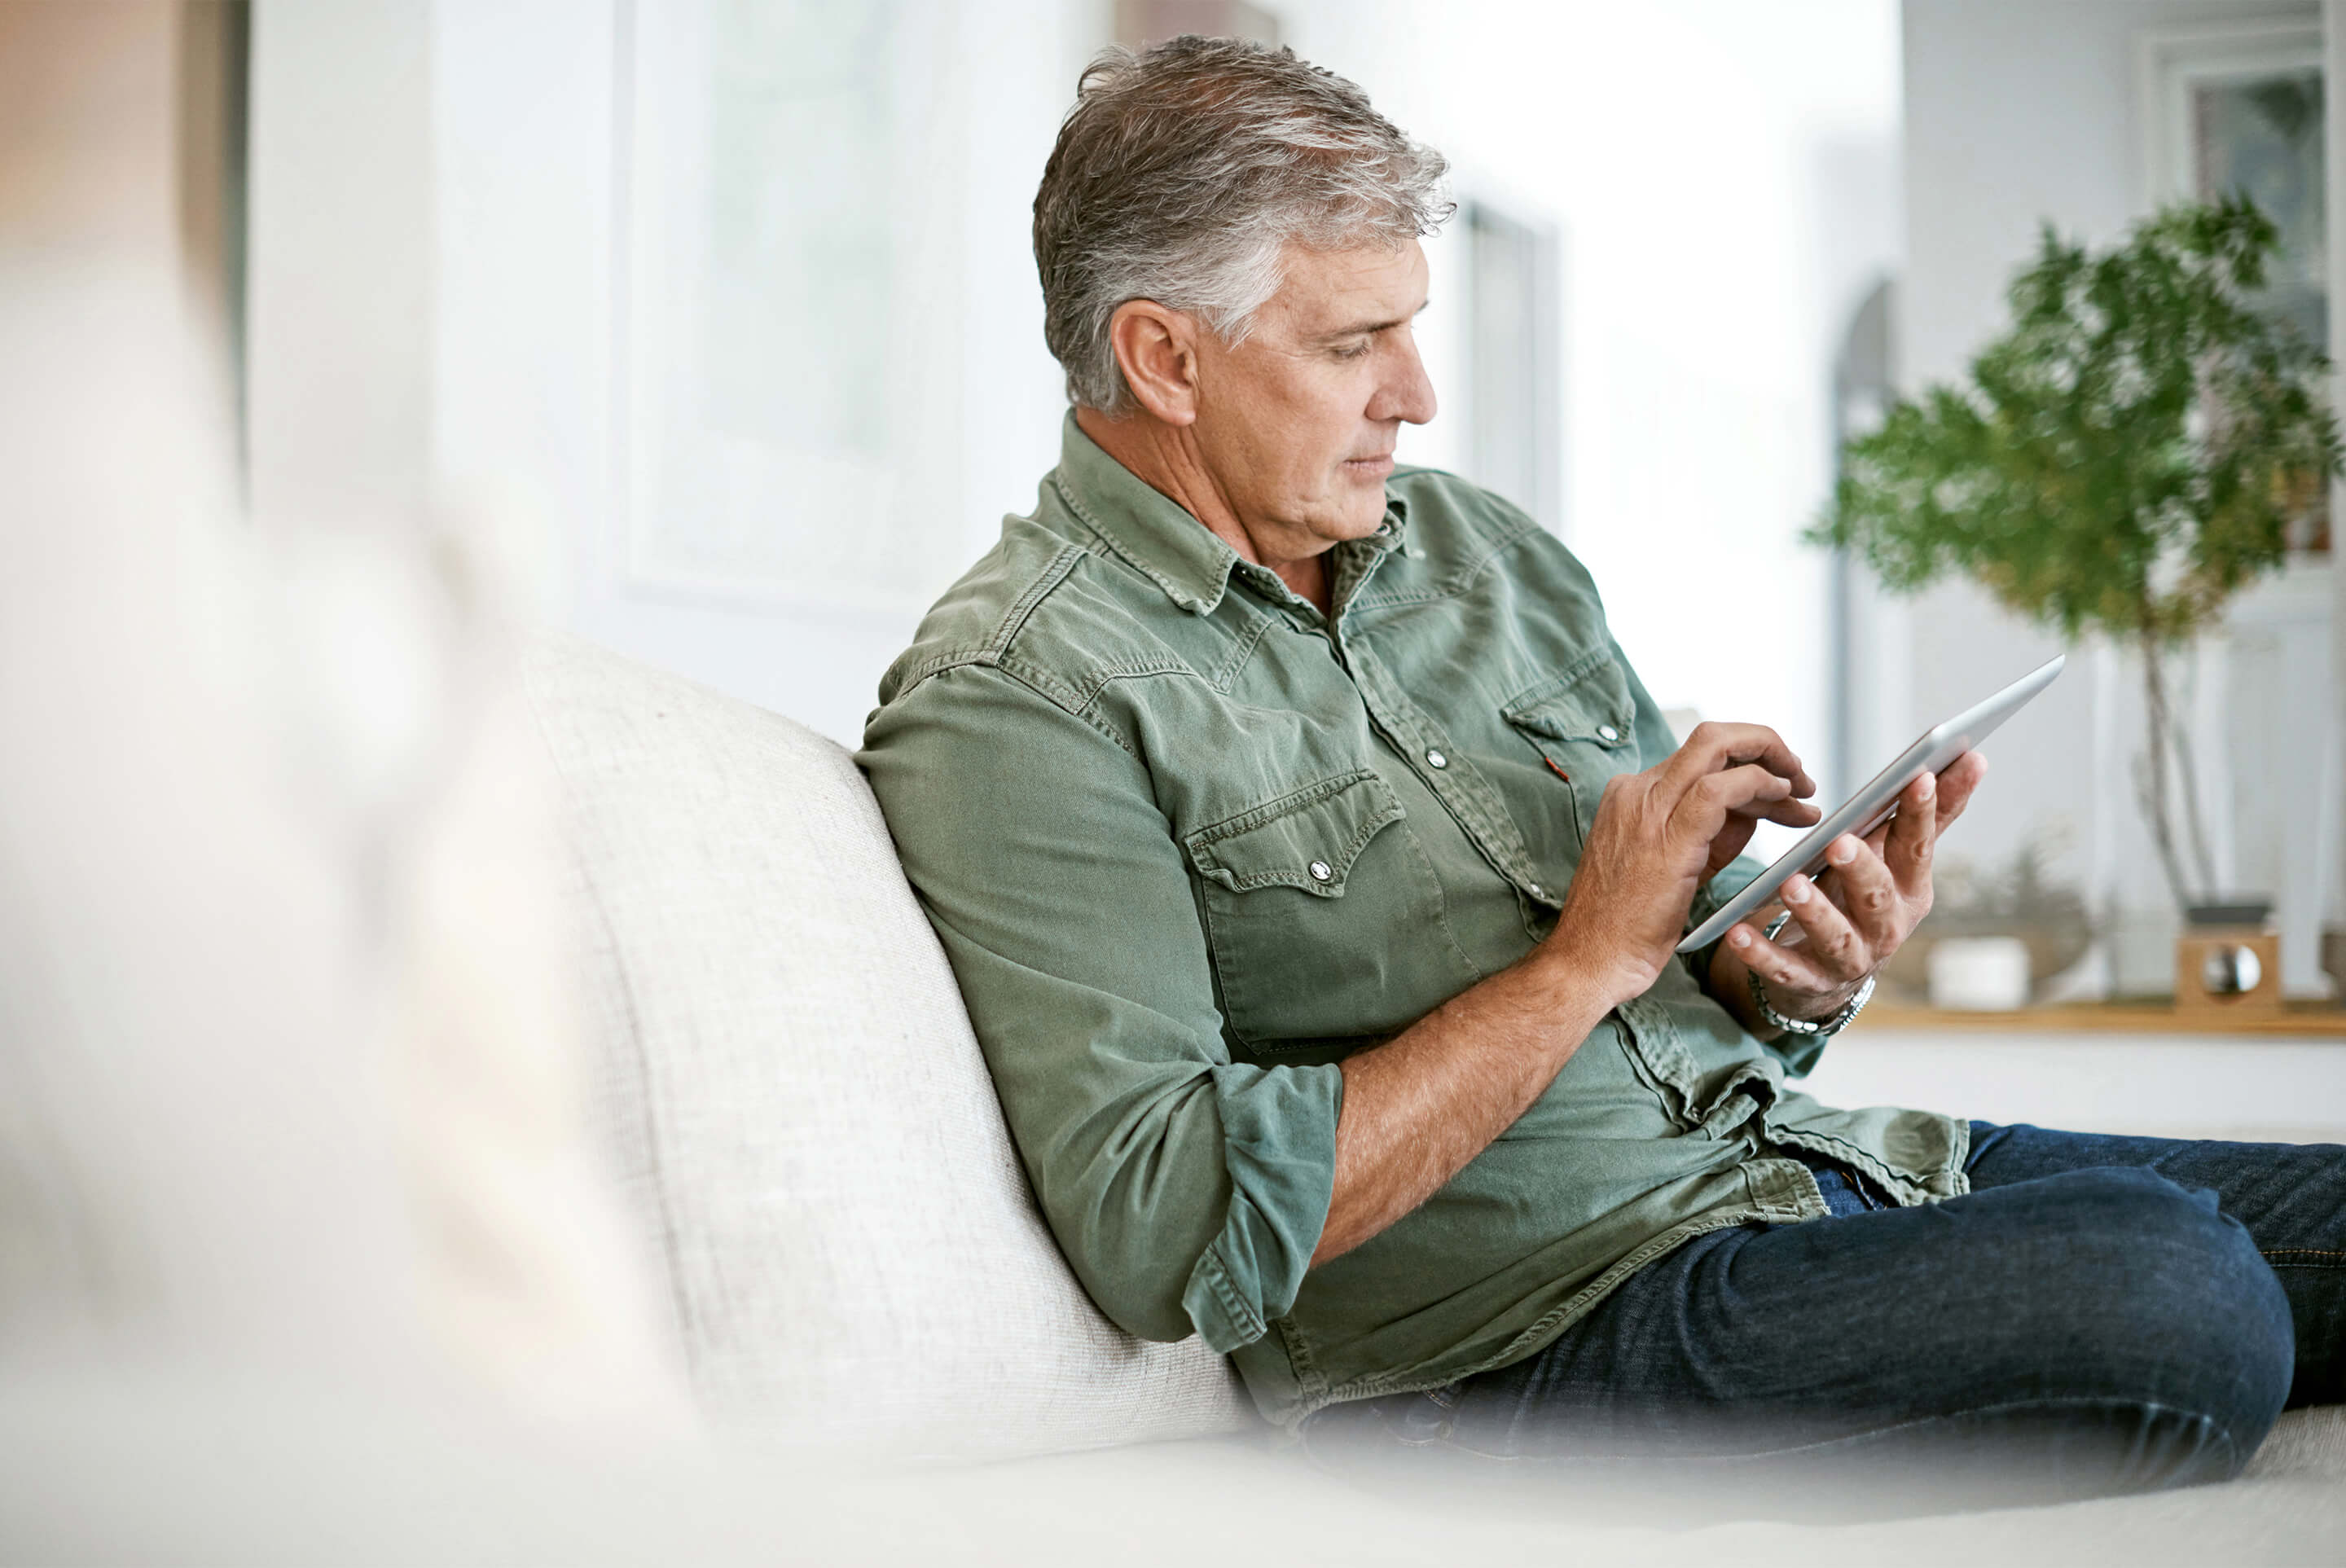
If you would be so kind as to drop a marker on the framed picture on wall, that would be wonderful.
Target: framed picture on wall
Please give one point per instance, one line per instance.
(792, 353)
(2239, 107)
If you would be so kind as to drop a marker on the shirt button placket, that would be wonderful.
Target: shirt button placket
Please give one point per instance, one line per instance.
(1397, 716)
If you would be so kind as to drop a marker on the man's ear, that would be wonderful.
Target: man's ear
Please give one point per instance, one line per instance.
(1157, 350)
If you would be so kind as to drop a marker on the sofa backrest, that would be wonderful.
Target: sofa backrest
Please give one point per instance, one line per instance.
(801, 1118)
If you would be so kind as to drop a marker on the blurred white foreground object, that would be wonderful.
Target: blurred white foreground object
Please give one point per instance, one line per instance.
(290, 1078)
(1979, 973)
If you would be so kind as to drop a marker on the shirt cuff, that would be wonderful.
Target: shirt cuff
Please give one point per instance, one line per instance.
(1279, 1141)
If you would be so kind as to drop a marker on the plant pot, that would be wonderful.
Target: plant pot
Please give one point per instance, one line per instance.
(2052, 949)
(1980, 973)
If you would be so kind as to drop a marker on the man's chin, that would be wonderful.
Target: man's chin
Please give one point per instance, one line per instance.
(1345, 511)
(1368, 517)
(1361, 502)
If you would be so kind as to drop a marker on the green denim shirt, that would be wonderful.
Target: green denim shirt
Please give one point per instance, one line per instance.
(1189, 843)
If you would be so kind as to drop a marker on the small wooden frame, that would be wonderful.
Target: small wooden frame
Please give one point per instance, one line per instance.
(2193, 950)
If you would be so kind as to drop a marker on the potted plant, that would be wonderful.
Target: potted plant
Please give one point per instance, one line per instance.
(2128, 455)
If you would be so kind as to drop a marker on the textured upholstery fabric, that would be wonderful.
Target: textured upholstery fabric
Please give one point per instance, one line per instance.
(801, 1116)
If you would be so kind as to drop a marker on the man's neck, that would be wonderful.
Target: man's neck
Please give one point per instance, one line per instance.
(1166, 458)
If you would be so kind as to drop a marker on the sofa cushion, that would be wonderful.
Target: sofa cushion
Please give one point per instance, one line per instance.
(801, 1115)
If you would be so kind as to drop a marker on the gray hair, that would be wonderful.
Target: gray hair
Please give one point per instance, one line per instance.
(1182, 173)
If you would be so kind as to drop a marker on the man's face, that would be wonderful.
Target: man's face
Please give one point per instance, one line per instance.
(1297, 424)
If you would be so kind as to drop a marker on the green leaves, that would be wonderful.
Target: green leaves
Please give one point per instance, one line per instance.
(2126, 456)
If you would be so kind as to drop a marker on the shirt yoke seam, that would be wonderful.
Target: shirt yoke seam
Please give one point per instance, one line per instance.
(1460, 579)
(1080, 697)
(1100, 531)
(1027, 674)
(1570, 676)
(1013, 620)
(994, 650)
(1226, 677)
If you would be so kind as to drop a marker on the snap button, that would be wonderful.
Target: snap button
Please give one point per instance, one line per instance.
(1435, 759)
(1321, 871)
(1608, 734)
(1539, 892)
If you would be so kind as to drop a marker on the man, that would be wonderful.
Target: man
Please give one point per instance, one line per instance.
(1312, 862)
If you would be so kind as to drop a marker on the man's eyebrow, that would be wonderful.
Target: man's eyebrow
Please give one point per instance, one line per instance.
(1358, 329)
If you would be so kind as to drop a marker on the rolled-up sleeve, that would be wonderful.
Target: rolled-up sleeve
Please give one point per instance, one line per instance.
(1187, 1191)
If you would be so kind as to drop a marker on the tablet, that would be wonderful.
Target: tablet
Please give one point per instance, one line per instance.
(1878, 802)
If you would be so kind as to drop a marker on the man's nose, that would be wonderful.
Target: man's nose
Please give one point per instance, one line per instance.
(1407, 394)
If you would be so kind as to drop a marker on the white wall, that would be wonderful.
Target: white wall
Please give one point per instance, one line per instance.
(1723, 178)
(2018, 113)
(546, 351)
(2250, 1089)
(440, 274)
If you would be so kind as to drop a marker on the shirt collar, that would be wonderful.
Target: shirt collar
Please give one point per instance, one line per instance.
(1171, 548)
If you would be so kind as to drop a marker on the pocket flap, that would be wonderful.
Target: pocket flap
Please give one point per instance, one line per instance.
(1590, 704)
(1307, 839)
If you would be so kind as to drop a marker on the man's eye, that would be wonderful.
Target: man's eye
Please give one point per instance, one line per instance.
(1353, 350)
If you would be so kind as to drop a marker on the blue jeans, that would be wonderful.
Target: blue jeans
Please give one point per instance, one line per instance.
(2098, 1315)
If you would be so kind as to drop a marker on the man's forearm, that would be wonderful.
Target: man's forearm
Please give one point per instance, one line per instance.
(1420, 1106)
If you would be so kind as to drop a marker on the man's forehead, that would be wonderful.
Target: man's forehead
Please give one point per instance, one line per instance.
(1336, 292)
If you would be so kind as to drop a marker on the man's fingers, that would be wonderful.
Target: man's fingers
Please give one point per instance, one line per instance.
(1715, 747)
(1833, 943)
(1957, 782)
(1736, 832)
(1912, 832)
(1726, 846)
(1748, 791)
(1793, 813)
(1788, 970)
(1868, 892)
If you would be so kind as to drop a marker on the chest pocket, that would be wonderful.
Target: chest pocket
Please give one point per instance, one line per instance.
(1324, 916)
(1583, 724)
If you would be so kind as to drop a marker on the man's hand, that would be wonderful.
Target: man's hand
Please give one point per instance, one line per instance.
(1658, 835)
(1847, 923)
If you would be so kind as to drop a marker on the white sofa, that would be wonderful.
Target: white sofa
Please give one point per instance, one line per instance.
(808, 1136)
(802, 1120)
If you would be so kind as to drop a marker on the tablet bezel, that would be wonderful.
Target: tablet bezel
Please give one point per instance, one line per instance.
(1874, 804)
